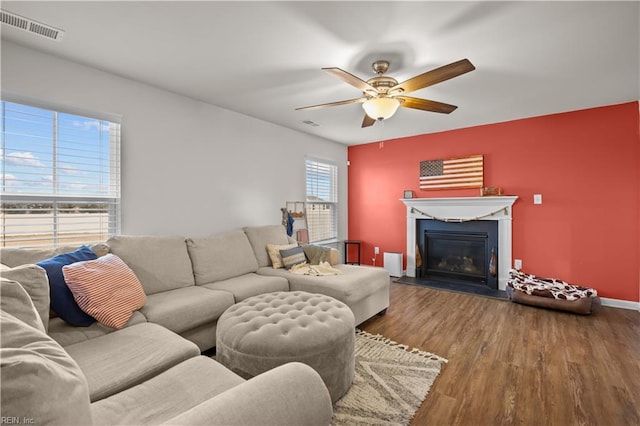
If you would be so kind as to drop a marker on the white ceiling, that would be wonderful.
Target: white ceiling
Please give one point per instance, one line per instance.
(263, 59)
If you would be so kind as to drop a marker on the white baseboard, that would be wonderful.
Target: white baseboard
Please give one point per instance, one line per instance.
(623, 304)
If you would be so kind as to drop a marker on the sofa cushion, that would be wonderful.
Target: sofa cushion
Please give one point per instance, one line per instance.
(15, 301)
(185, 308)
(66, 334)
(161, 263)
(122, 359)
(249, 285)
(292, 257)
(105, 288)
(166, 395)
(353, 284)
(291, 394)
(34, 280)
(260, 236)
(274, 253)
(39, 380)
(62, 301)
(221, 256)
(14, 256)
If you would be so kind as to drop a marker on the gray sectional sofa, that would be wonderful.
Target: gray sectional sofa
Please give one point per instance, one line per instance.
(152, 371)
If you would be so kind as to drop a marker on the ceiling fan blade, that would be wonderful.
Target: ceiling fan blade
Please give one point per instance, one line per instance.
(435, 76)
(368, 121)
(426, 105)
(347, 102)
(351, 79)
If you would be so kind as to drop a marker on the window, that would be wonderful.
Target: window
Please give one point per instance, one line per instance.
(322, 200)
(60, 178)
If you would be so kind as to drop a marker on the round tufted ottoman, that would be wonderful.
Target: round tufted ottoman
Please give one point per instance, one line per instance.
(269, 330)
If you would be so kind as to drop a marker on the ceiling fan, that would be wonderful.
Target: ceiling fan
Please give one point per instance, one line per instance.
(382, 95)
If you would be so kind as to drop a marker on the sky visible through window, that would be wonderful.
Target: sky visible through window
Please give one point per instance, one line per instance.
(47, 152)
(59, 177)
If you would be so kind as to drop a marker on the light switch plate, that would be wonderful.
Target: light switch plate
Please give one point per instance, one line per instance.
(537, 198)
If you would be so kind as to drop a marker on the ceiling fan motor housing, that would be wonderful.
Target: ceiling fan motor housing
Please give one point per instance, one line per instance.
(382, 83)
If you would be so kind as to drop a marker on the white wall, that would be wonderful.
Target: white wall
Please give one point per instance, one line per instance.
(188, 167)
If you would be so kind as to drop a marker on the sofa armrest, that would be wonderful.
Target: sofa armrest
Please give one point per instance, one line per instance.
(334, 257)
(292, 394)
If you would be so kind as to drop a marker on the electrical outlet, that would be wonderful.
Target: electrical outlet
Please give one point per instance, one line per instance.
(376, 250)
(517, 264)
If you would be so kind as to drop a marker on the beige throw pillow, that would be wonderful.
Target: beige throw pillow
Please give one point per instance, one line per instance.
(274, 253)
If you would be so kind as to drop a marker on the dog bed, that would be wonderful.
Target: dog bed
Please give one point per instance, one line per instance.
(551, 293)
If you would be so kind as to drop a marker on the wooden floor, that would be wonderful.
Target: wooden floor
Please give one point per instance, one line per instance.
(511, 364)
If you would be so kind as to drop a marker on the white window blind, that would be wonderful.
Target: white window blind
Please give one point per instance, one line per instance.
(60, 177)
(322, 200)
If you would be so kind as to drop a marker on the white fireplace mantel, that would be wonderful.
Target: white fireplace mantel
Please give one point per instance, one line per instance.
(463, 208)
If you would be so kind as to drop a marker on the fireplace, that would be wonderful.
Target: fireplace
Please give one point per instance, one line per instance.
(462, 251)
(465, 210)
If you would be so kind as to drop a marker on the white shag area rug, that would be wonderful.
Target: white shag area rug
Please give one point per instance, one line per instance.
(391, 381)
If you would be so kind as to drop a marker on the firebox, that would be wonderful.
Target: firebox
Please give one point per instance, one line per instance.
(458, 251)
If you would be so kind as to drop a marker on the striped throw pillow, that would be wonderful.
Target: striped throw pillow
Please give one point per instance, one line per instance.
(105, 288)
(274, 253)
(292, 257)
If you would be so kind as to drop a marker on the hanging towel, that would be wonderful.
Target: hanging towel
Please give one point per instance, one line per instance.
(290, 221)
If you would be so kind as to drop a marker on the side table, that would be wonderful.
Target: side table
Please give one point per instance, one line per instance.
(348, 243)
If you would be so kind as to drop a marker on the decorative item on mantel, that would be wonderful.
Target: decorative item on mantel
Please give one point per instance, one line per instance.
(408, 194)
(452, 173)
(491, 191)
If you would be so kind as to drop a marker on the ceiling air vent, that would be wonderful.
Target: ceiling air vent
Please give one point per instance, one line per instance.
(34, 27)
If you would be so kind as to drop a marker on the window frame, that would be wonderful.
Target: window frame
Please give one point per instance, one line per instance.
(313, 188)
(56, 201)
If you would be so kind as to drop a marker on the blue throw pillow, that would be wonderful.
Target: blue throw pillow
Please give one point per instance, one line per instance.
(62, 301)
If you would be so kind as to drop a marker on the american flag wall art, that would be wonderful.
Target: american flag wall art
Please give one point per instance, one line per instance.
(453, 173)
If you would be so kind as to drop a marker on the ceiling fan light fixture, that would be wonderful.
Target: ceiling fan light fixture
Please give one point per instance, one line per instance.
(381, 108)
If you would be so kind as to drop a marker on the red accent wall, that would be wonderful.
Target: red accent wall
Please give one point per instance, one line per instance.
(584, 163)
